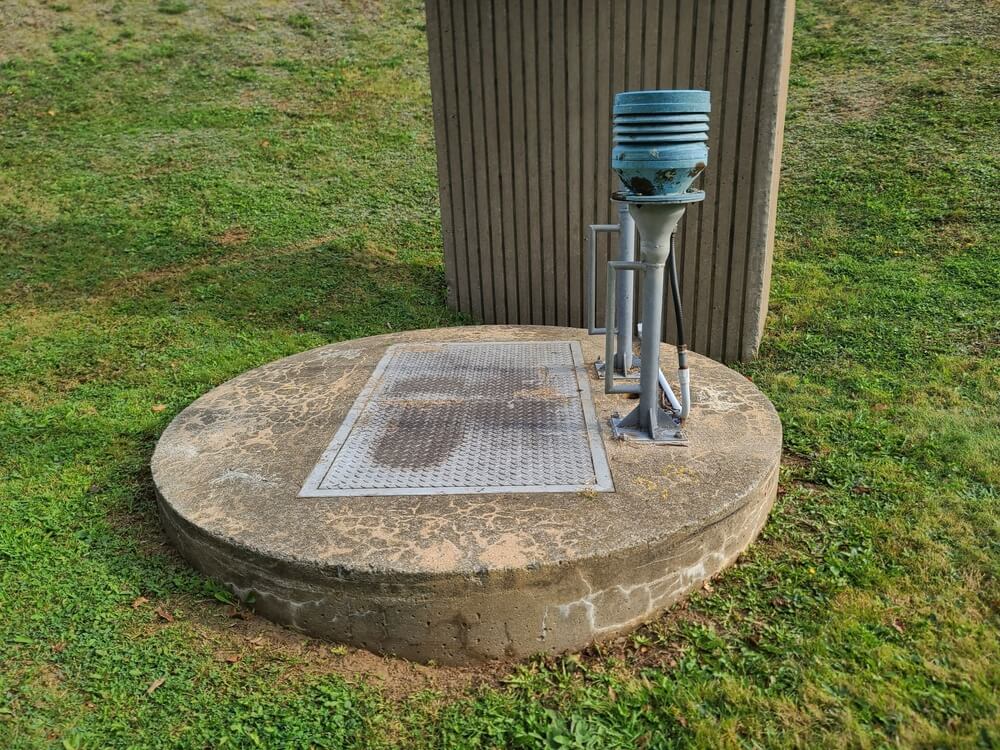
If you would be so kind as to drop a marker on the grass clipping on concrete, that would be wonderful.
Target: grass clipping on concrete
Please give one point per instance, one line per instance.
(190, 189)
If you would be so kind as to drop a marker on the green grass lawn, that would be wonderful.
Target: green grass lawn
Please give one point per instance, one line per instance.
(189, 189)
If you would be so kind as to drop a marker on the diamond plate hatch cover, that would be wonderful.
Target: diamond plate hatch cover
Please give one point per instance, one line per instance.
(460, 418)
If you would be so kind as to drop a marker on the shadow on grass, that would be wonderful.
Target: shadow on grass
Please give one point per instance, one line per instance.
(341, 288)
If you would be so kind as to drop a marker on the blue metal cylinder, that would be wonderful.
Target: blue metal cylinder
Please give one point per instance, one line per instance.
(660, 140)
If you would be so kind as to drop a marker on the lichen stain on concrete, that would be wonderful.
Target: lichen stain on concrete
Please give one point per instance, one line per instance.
(438, 557)
(236, 476)
(343, 354)
(715, 399)
(506, 551)
(180, 450)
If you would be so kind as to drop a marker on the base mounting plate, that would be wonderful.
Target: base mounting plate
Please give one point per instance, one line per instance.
(632, 374)
(666, 432)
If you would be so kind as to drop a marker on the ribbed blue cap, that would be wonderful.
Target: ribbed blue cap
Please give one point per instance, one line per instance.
(663, 101)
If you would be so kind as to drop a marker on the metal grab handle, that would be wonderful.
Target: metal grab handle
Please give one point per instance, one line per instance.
(590, 256)
(610, 329)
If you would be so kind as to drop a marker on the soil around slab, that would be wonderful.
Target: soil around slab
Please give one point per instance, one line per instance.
(459, 579)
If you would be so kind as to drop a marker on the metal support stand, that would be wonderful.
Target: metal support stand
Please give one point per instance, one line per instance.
(653, 422)
(625, 359)
(656, 218)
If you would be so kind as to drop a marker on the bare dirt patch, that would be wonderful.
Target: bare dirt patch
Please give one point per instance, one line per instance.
(232, 236)
(794, 461)
(143, 280)
(237, 633)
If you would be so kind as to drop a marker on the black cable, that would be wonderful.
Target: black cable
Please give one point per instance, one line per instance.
(675, 292)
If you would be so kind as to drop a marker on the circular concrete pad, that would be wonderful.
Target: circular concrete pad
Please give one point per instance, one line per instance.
(459, 578)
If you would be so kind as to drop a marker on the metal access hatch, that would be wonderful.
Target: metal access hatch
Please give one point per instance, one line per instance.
(461, 418)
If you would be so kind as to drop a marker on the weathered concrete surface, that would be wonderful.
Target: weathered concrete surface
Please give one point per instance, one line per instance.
(458, 578)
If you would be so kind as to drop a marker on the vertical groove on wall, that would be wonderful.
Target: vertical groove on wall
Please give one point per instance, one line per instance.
(531, 99)
(468, 159)
(745, 190)
(484, 249)
(697, 332)
(604, 71)
(733, 265)
(568, 151)
(518, 134)
(450, 87)
(556, 181)
(702, 30)
(687, 230)
(490, 94)
(715, 184)
(544, 167)
(501, 203)
(441, 131)
(588, 98)
(681, 78)
(522, 111)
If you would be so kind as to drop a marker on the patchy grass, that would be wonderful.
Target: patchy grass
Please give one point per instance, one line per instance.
(190, 189)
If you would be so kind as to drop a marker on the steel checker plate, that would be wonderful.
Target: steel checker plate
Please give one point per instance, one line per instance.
(459, 418)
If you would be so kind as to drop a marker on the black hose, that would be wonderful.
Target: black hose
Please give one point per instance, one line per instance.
(675, 292)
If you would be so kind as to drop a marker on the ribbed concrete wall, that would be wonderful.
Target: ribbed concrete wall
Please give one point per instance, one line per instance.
(522, 108)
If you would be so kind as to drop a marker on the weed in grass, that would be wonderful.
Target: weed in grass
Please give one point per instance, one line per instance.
(172, 7)
(301, 22)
